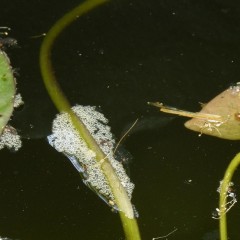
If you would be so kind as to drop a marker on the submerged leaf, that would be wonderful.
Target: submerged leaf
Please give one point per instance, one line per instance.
(220, 117)
(8, 101)
(7, 90)
(226, 105)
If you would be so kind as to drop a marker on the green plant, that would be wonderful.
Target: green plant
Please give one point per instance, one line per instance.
(7, 90)
(219, 118)
(121, 197)
(223, 193)
(8, 100)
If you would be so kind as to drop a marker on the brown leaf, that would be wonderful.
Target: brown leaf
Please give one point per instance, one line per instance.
(226, 105)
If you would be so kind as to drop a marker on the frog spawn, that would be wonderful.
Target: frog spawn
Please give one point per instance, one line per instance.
(65, 139)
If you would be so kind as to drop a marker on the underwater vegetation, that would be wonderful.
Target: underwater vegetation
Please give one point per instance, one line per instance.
(7, 90)
(8, 101)
(83, 135)
(220, 117)
(97, 165)
(65, 139)
(226, 106)
(79, 133)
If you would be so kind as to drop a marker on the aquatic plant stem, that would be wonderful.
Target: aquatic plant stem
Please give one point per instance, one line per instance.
(123, 202)
(223, 193)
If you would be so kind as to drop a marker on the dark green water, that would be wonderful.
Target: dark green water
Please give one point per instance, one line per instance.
(119, 57)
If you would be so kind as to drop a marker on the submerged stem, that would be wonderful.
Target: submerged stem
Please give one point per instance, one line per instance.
(122, 200)
(223, 193)
(183, 113)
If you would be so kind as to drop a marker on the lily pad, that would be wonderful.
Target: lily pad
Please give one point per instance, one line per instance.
(7, 90)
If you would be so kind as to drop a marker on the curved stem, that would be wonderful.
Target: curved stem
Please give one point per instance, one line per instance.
(123, 202)
(223, 193)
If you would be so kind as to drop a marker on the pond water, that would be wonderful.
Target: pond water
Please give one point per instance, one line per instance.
(119, 57)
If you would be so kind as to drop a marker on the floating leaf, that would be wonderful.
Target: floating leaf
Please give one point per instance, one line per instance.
(220, 117)
(7, 90)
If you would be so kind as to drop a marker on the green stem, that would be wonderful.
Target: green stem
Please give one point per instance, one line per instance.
(223, 193)
(123, 202)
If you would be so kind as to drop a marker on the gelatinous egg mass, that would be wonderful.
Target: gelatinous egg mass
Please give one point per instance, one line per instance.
(66, 139)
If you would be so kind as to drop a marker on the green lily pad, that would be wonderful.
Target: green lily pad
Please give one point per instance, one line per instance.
(7, 90)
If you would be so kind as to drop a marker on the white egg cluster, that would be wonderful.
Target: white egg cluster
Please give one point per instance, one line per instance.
(66, 139)
(4, 238)
(10, 139)
(18, 101)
